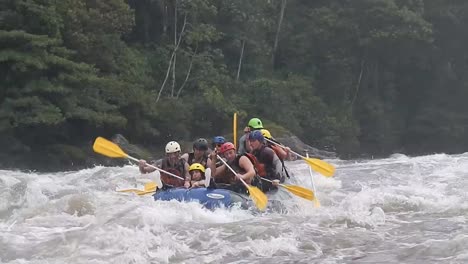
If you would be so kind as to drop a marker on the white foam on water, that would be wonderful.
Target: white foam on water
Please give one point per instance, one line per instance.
(396, 209)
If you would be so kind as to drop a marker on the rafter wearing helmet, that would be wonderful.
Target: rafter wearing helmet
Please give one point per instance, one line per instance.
(199, 154)
(241, 164)
(254, 124)
(173, 163)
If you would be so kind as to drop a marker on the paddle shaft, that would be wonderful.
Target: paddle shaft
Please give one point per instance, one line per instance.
(234, 128)
(316, 200)
(278, 144)
(154, 167)
(280, 184)
(255, 194)
(112, 150)
(311, 175)
(229, 167)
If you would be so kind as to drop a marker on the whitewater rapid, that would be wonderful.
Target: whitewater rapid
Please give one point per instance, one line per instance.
(395, 210)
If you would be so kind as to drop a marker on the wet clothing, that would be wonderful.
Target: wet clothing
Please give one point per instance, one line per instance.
(191, 159)
(242, 144)
(178, 169)
(268, 166)
(229, 177)
(230, 181)
(281, 156)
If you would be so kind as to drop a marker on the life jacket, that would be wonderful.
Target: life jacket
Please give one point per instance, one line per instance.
(177, 169)
(229, 177)
(277, 149)
(191, 157)
(264, 163)
(219, 163)
(229, 180)
(259, 168)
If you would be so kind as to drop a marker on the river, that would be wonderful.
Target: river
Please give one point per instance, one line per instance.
(396, 210)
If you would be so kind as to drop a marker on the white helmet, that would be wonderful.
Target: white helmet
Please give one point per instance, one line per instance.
(172, 147)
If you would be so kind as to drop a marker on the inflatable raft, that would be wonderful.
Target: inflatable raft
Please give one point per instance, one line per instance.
(221, 198)
(209, 198)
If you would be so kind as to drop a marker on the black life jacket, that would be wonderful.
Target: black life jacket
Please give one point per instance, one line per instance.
(177, 169)
(229, 177)
(229, 181)
(191, 157)
(264, 163)
(283, 167)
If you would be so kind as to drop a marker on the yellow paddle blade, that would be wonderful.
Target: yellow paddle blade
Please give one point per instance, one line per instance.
(259, 198)
(321, 166)
(108, 148)
(129, 190)
(316, 203)
(146, 192)
(150, 186)
(234, 130)
(136, 191)
(300, 191)
(139, 192)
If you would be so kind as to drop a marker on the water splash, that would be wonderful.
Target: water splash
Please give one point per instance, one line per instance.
(399, 209)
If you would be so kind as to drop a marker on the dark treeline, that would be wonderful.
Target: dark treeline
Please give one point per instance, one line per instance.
(360, 76)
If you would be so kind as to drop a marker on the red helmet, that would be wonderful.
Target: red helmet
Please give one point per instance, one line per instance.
(226, 146)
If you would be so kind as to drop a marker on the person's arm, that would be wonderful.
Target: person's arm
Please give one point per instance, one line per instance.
(187, 176)
(278, 166)
(275, 162)
(185, 156)
(144, 168)
(141, 166)
(248, 167)
(213, 159)
(199, 183)
(215, 171)
(208, 162)
(282, 154)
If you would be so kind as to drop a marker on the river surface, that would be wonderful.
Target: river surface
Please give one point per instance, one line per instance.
(395, 210)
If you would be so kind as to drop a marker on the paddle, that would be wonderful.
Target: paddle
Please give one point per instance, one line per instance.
(207, 177)
(139, 192)
(149, 187)
(318, 165)
(259, 198)
(316, 200)
(109, 149)
(297, 190)
(234, 130)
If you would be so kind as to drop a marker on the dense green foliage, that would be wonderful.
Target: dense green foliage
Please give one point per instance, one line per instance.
(361, 76)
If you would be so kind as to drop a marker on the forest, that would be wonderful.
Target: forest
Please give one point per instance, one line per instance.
(360, 77)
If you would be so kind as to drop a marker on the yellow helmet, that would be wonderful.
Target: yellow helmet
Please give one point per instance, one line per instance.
(265, 133)
(197, 166)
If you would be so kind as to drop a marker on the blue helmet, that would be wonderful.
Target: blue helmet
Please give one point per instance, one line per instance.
(256, 135)
(219, 140)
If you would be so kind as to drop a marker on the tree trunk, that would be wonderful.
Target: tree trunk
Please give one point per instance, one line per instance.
(358, 85)
(169, 67)
(278, 29)
(240, 60)
(175, 54)
(188, 72)
(164, 17)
